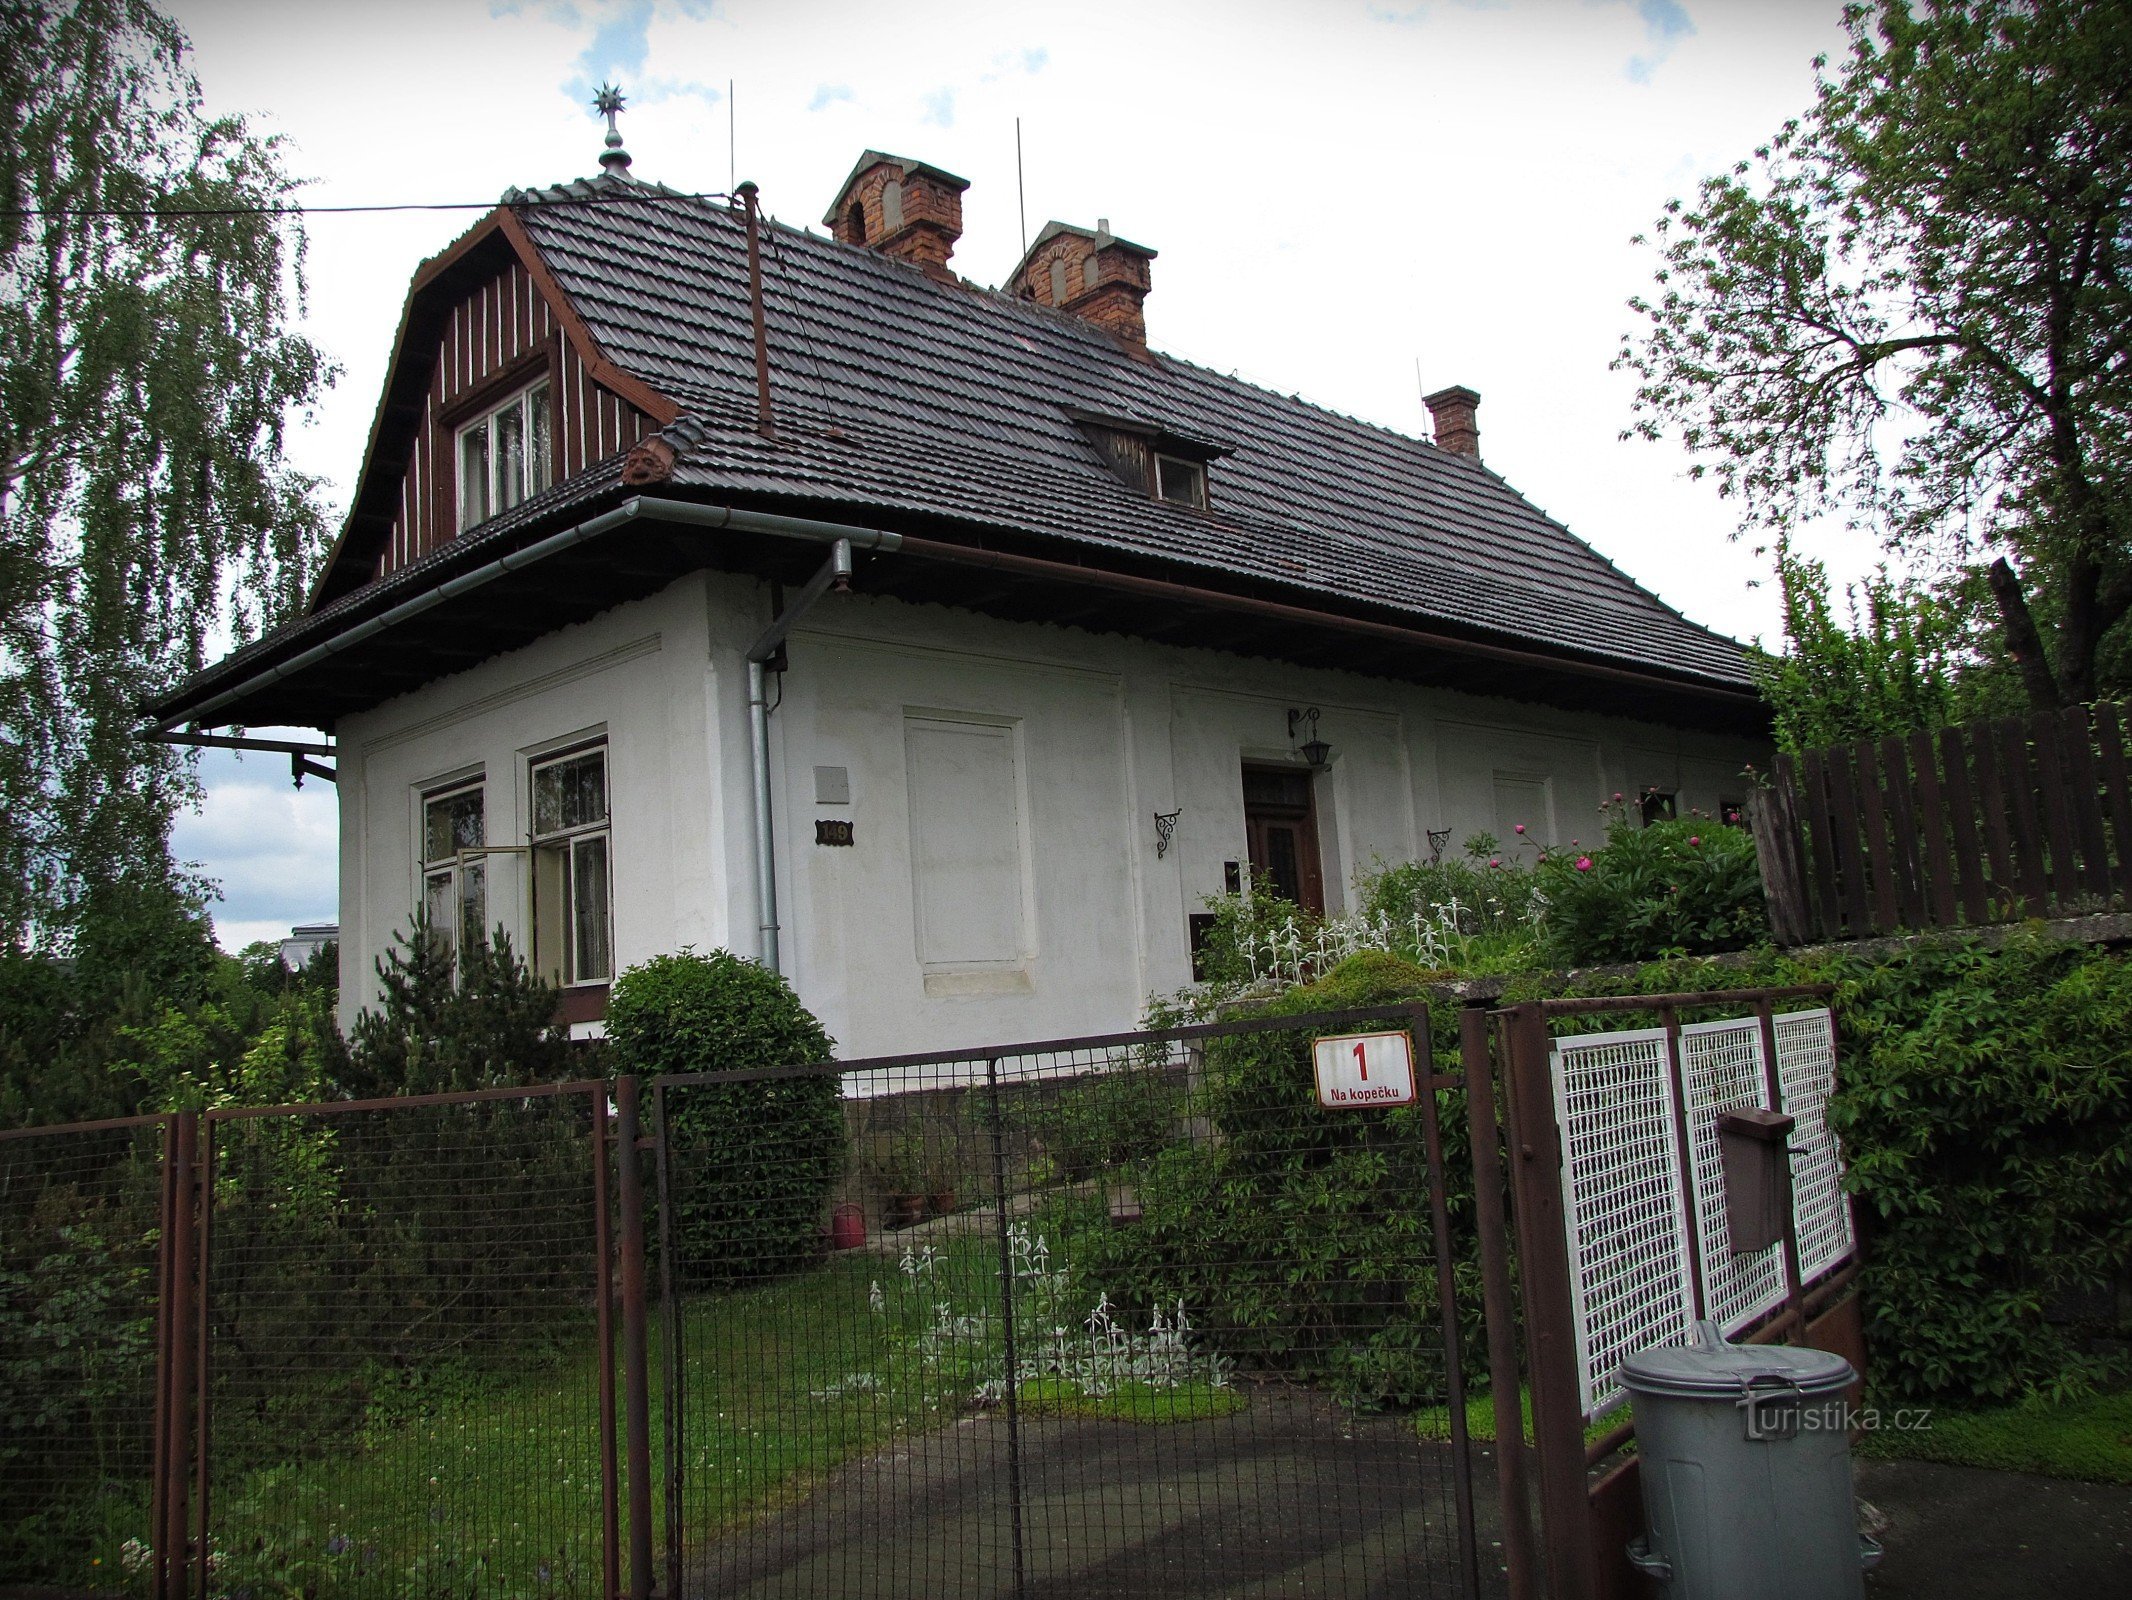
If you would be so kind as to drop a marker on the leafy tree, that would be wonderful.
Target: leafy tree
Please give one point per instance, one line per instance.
(146, 372)
(1912, 306)
(1910, 657)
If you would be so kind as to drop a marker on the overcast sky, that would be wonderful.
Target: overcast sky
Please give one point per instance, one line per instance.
(1338, 190)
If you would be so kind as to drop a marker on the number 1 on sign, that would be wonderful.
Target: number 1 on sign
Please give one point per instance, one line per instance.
(1362, 1061)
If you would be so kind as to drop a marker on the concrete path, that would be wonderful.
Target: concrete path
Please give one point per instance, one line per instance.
(1289, 1498)
(1959, 1533)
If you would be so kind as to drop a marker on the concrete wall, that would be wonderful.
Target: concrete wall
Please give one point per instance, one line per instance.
(1038, 757)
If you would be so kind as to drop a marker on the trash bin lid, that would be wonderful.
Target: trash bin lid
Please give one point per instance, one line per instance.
(1711, 1365)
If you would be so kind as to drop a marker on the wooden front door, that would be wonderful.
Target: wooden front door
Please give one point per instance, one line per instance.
(1281, 829)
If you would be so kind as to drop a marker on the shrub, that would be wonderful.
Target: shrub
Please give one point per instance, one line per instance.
(755, 1160)
(1672, 888)
(490, 1022)
(1982, 1103)
(1477, 914)
(1104, 1120)
(1298, 1237)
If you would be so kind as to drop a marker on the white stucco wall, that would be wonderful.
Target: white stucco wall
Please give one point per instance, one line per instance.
(1092, 735)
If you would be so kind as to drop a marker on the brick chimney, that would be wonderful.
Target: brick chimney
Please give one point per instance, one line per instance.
(901, 208)
(1095, 275)
(1452, 411)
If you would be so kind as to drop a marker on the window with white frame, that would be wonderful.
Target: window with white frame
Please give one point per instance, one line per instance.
(505, 456)
(573, 920)
(455, 892)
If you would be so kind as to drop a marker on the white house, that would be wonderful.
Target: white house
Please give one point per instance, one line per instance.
(711, 582)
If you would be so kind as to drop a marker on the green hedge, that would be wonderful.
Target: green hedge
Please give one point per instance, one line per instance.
(753, 1162)
(1984, 1101)
(1984, 1098)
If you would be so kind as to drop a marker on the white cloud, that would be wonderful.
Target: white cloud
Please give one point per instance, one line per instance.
(272, 848)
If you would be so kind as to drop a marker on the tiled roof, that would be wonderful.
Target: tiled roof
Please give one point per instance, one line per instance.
(897, 392)
(902, 400)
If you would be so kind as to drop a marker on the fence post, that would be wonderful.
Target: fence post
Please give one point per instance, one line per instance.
(204, 1184)
(1006, 1300)
(670, 1344)
(1497, 1309)
(636, 1392)
(1550, 1317)
(1776, 854)
(172, 1554)
(1446, 1300)
(603, 1322)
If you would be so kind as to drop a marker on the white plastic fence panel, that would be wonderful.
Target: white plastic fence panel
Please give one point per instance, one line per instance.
(1625, 1203)
(1806, 1069)
(1723, 1065)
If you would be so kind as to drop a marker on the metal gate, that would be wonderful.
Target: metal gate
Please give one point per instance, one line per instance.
(1131, 1315)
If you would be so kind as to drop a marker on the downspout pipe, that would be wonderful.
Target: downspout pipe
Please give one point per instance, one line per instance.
(835, 573)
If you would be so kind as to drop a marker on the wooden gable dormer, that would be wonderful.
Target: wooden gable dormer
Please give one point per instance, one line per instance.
(484, 321)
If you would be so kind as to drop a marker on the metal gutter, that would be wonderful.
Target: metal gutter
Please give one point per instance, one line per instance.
(1220, 599)
(685, 512)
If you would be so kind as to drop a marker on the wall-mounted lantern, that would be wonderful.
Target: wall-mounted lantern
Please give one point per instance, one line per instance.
(1315, 750)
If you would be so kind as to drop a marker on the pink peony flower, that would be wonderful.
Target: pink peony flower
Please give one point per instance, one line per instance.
(1617, 794)
(1695, 838)
(1495, 861)
(1584, 863)
(1519, 828)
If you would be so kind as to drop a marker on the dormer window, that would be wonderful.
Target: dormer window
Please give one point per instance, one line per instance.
(1181, 482)
(505, 456)
(1152, 460)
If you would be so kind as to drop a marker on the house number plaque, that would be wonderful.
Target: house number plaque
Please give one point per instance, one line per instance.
(1361, 1070)
(831, 831)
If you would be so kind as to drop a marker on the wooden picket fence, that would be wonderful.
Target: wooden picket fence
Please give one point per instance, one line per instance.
(1993, 821)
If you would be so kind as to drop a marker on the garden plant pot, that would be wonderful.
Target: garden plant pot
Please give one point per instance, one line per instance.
(905, 1210)
(847, 1227)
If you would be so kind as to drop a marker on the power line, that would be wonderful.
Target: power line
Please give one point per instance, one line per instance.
(342, 211)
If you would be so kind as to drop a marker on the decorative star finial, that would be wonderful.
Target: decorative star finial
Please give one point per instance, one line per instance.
(608, 102)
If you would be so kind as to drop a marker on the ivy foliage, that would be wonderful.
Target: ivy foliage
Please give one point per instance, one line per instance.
(754, 1161)
(1911, 308)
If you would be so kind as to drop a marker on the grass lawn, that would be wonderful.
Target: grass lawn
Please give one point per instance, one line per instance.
(2090, 1438)
(1434, 1422)
(493, 1486)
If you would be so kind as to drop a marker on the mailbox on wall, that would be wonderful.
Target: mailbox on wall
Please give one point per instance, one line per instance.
(1753, 1143)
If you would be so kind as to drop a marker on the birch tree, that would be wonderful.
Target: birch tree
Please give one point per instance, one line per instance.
(149, 280)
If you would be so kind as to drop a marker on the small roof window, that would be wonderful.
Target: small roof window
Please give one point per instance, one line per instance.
(1181, 482)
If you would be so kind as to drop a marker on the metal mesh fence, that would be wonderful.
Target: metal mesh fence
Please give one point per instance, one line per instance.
(405, 1349)
(81, 1230)
(1636, 1157)
(1130, 1317)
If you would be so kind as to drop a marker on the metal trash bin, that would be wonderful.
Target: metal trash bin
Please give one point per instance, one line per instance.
(1746, 1471)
